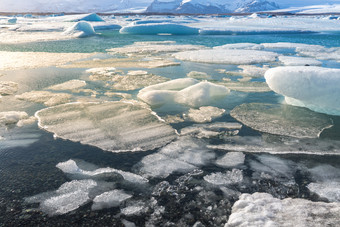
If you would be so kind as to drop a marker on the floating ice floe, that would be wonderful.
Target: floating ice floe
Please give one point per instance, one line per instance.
(80, 29)
(8, 87)
(198, 75)
(109, 199)
(299, 61)
(246, 86)
(105, 26)
(12, 20)
(326, 182)
(212, 130)
(313, 87)
(154, 29)
(253, 71)
(111, 126)
(12, 117)
(68, 85)
(183, 155)
(242, 46)
(223, 179)
(135, 81)
(45, 97)
(24, 60)
(71, 168)
(70, 196)
(185, 91)
(282, 119)
(320, 52)
(262, 209)
(123, 63)
(205, 114)
(231, 159)
(103, 73)
(227, 56)
(287, 45)
(279, 145)
(153, 47)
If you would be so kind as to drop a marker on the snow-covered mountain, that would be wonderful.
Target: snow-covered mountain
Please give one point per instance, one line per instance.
(211, 6)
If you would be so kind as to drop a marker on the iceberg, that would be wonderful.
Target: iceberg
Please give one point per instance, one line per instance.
(316, 88)
(87, 17)
(80, 29)
(162, 28)
(112, 126)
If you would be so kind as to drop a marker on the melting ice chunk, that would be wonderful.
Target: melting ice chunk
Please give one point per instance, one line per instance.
(282, 119)
(183, 155)
(313, 87)
(71, 167)
(261, 209)
(111, 126)
(231, 159)
(80, 29)
(222, 179)
(109, 199)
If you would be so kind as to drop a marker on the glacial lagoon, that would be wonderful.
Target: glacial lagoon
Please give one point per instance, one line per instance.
(169, 121)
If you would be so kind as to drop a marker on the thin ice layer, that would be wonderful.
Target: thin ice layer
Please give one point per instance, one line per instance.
(313, 87)
(261, 209)
(282, 119)
(111, 126)
(183, 155)
(227, 56)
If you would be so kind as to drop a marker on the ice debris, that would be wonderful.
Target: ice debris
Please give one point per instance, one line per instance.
(262, 209)
(111, 126)
(223, 179)
(68, 85)
(313, 87)
(216, 129)
(45, 97)
(183, 155)
(109, 199)
(71, 167)
(205, 114)
(282, 119)
(227, 56)
(8, 87)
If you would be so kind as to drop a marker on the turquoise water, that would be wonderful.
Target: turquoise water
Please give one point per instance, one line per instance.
(30, 169)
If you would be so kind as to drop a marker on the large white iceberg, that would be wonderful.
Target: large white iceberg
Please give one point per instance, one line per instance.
(80, 29)
(313, 87)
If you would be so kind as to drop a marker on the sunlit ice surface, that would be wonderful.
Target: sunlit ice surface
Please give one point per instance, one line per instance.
(105, 120)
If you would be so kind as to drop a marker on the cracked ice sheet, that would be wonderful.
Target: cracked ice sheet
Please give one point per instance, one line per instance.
(112, 126)
(227, 56)
(30, 60)
(279, 145)
(283, 120)
(262, 209)
(183, 155)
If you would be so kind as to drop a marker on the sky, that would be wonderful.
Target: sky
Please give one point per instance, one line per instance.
(108, 5)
